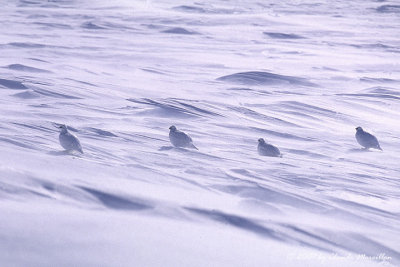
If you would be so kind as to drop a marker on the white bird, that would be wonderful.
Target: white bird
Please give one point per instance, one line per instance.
(269, 150)
(180, 139)
(68, 140)
(367, 140)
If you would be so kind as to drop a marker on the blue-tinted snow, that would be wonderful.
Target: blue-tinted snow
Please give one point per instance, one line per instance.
(300, 74)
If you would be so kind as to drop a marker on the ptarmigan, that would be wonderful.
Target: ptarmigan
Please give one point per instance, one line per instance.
(180, 139)
(265, 149)
(68, 140)
(367, 140)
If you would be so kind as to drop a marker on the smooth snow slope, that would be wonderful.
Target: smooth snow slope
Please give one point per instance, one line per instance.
(300, 74)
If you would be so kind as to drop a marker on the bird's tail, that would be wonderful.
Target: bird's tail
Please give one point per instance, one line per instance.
(193, 146)
(379, 147)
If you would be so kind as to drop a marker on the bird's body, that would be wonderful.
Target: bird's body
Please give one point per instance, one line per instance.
(366, 139)
(180, 139)
(68, 140)
(269, 150)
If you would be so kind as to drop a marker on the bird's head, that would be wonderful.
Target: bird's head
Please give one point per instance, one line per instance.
(172, 128)
(261, 141)
(359, 128)
(62, 127)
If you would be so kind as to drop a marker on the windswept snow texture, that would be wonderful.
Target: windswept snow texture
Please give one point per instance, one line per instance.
(300, 74)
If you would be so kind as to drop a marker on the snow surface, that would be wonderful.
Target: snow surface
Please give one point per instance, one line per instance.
(301, 74)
